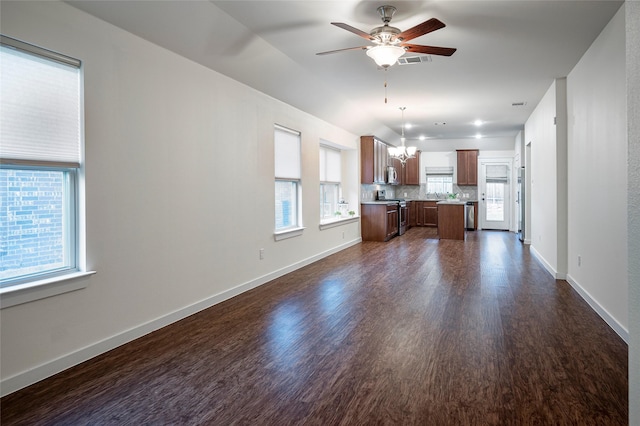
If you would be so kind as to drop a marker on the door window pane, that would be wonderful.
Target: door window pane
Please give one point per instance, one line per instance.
(495, 201)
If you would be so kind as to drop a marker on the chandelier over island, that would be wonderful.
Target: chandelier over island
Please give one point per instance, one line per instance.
(402, 152)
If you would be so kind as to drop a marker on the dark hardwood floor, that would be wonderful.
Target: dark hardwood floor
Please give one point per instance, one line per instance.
(415, 331)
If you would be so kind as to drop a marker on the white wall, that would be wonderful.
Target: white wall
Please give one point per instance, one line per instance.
(540, 131)
(579, 178)
(179, 193)
(597, 170)
(633, 173)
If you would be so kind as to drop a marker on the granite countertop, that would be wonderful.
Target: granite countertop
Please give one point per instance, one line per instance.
(378, 202)
(443, 201)
(439, 200)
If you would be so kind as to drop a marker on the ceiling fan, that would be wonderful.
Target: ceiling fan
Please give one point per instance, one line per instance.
(390, 43)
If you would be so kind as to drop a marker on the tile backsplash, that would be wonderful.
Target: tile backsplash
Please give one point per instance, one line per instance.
(413, 192)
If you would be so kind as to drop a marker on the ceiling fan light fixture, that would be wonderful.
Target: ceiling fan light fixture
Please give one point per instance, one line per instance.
(385, 55)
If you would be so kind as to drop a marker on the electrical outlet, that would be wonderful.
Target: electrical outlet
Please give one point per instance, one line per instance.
(405, 194)
(579, 260)
(261, 253)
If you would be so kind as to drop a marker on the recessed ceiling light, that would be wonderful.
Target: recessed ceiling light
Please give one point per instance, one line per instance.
(408, 125)
(422, 137)
(478, 122)
(478, 136)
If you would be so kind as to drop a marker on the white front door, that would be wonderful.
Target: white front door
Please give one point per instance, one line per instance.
(495, 194)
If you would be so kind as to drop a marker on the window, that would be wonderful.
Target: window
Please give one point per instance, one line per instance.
(497, 178)
(40, 129)
(330, 179)
(439, 180)
(287, 178)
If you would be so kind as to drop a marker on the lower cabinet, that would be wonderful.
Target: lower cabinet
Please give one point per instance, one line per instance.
(430, 213)
(392, 221)
(379, 222)
(425, 213)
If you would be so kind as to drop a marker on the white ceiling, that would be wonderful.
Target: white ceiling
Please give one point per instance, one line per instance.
(508, 51)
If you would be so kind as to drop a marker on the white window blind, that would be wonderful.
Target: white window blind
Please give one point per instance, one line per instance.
(287, 153)
(40, 106)
(497, 173)
(439, 171)
(330, 165)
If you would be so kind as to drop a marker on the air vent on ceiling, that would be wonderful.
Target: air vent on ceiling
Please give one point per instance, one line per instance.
(410, 60)
(518, 104)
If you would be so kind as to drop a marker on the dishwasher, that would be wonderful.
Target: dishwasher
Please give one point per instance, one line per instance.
(469, 216)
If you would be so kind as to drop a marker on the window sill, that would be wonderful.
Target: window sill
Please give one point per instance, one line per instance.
(35, 290)
(337, 222)
(289, 233)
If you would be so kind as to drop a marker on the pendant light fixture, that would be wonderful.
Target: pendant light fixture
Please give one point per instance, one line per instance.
(402, 152)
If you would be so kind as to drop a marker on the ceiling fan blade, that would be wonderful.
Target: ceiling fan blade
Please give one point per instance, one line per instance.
(421, 29)
(429, 50)
(353, 30)
(342, 50)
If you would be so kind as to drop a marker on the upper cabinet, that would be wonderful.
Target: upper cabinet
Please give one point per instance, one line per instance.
(373, 160)
(411, 171)
(467, 167)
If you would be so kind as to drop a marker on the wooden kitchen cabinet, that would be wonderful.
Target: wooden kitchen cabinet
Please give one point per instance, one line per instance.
(451, 221)
(411, 171)
(392, 221)
(426, 213)
(418, 213)
(373, 160)
(411, 209)
(379, 221)
(430, 213)
(467, 167)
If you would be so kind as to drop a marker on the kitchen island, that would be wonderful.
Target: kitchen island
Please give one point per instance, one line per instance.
(451, 220)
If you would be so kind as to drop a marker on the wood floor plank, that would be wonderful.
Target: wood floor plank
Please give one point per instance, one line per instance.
(414, 331)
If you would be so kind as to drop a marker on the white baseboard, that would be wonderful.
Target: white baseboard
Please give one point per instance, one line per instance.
(31, 376)
(604, 314)
(546, 264)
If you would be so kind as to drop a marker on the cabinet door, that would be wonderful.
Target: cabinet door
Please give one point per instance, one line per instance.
(367, 158)
(430, 214)
(384, 161)
(467, 167)
(412, 213)
(472, 167)
(411, 172)
(380, 161)
(392, 221)
(462, 168)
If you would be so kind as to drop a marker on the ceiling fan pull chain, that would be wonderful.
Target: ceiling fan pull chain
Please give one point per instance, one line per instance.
(385, 85)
